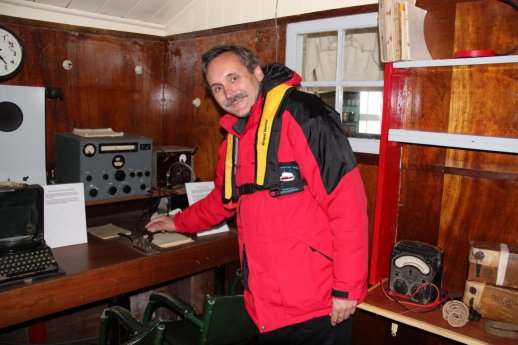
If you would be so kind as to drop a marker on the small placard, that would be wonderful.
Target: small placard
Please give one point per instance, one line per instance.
(64, 215)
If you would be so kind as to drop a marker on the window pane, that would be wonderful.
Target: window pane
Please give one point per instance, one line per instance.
(319, 56)
(361, 115)
(326, 93)
(361, 55)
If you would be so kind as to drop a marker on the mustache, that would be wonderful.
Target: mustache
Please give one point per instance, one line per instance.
(236, 98)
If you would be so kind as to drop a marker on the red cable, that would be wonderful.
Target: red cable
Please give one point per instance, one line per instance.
(405, 300)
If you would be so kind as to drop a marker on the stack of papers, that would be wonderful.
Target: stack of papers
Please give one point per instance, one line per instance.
(96, 132)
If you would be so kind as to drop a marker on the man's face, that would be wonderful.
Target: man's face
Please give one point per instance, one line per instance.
(233, 86)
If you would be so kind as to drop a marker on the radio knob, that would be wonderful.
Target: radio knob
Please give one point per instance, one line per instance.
(112, 190)
(143, 186)
(106, 176)
(132, 174)
(139, 173)
(126, 189)
(147, 173)
(120, 175)
(93, 192)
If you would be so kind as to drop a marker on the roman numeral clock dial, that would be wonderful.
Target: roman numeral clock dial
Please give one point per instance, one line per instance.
(11, 54)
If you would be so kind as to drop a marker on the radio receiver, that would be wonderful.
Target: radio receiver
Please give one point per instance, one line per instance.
(109, 167)
(414, 267)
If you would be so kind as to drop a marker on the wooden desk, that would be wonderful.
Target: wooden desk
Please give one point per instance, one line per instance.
(472, 333)
(103, 269)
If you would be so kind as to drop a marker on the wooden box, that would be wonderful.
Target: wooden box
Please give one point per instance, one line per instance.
(494, 263)
(492, 302)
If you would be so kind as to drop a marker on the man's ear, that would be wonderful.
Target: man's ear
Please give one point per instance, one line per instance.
(258, 72)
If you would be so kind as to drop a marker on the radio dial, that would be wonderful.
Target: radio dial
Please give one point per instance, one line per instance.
(139, 173)
(89, 150)
(147, 173)
(89, 178)
(106, 176)
(143, 186)
(126, 189)
(112, 190)
(120, 175)
(93, 192)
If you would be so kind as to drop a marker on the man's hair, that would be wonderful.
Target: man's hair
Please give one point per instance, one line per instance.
(250, 60)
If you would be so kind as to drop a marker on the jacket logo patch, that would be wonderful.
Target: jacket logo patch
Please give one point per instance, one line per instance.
(290, 178)
(287, 176)
(289, 171)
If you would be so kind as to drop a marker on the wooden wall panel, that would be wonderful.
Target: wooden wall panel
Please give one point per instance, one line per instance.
(102, 88)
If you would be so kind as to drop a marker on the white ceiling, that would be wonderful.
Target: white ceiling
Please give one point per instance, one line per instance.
(164, 17)
(149, 11)
(141, 16)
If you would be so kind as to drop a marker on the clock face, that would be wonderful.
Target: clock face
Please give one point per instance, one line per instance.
(11, 54)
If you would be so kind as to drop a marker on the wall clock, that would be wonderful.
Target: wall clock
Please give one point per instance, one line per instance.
(11, 54)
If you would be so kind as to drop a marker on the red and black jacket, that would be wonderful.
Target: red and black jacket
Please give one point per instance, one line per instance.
(299, 249)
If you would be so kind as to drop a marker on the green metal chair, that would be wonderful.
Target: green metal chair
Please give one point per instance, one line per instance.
(224, 320)
(151, 333)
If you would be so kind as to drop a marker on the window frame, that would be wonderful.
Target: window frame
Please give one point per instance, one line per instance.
(338, 24)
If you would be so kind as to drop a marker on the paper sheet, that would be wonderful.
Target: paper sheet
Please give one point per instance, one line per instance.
(64, 215)
(197, 191)
(107, 231)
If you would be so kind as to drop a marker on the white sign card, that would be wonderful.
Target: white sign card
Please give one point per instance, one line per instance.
(64, 215)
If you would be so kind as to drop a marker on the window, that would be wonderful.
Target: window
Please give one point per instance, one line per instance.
(338, 60)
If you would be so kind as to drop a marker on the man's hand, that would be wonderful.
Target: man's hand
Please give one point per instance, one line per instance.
(341, 310)
(161, 223)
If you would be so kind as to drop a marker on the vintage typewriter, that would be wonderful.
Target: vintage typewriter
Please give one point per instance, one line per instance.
(24, 256)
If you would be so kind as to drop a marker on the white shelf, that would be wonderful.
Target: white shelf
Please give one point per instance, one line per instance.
(361, 145)
(461, 141)
(457, 62)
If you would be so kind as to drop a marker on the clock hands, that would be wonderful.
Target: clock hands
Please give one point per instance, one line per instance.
(1, 58)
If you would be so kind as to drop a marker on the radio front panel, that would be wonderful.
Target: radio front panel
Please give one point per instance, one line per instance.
(109, 167)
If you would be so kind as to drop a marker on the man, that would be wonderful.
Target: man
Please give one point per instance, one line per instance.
(287, 170)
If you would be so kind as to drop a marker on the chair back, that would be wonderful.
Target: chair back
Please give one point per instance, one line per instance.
(225, 321)
(150, 334)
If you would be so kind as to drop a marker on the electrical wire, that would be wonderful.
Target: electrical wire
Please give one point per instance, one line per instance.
(510, 2)
(509, 52)
(406, 302)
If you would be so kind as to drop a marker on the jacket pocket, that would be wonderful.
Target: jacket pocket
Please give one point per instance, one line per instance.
(314, 250)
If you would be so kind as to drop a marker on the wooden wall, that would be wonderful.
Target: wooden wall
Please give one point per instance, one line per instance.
(102, 89)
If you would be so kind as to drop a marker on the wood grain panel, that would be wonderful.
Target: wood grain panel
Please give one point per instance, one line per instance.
(474, 209)
(102, 88)
(487, 24)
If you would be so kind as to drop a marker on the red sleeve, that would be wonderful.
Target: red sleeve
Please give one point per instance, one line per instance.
(208, 211)
(347, 209)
